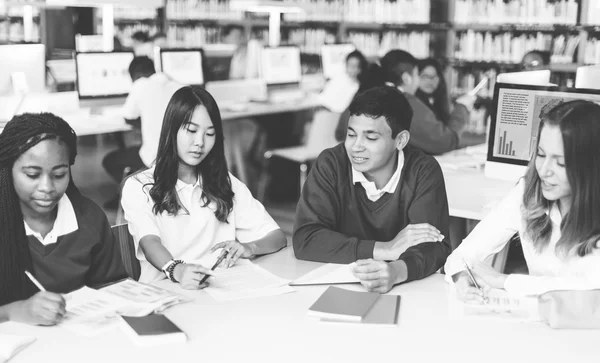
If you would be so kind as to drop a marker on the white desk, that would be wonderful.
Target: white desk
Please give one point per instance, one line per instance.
(254, 109)
(277, 329)
(471, 194)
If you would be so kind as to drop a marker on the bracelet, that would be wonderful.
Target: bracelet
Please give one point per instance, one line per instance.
(171, 268)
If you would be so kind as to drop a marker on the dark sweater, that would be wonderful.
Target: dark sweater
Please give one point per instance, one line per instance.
(88, 256)
(337, 223)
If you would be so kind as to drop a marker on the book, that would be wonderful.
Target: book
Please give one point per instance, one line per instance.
(152, 329)
(340, 304)
(385, 311)
(331, 273)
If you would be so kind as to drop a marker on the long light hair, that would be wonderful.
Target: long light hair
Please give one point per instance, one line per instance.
(579, 123)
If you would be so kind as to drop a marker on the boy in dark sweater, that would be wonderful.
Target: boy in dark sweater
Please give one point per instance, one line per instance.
(375, 201)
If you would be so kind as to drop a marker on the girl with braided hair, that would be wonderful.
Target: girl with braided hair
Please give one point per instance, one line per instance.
(46, 226)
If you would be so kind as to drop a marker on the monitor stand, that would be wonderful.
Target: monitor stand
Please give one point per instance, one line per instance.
(503, 171)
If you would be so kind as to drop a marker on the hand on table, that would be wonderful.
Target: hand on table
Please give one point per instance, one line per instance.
(235, 250)
(190, 275)
(376, 276)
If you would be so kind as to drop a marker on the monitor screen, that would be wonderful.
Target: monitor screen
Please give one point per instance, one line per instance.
(103, 74)
(516, 115)
(280, 65)
(538, 78)
(28, 60)
(588, 77)
(333, 58)
(183, 65)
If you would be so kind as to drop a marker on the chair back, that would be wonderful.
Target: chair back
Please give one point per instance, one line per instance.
(321, 134)
(131, 263)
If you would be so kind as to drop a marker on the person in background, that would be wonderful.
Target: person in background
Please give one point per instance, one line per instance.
(554, 209)
(428, 132)
(188, 205)
(46, 226)
(147, 101)
(244, 62)
(432, 89)
(535, 60)
(339, 91)
(375, 201)
(141, 44)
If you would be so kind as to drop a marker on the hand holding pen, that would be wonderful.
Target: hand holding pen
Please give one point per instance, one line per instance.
(43, 308)
(467, 287)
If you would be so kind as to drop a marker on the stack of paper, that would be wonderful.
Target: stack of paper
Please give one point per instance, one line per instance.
(11, 345)
(500, 305)
(340, 305)
(331, 273)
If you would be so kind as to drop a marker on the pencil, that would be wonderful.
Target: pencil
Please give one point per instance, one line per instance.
(471, 275)
(35, 281)
(221, 258)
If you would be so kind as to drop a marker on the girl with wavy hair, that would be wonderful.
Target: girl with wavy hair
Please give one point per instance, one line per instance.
(46, 226)
(555, 210)
(188, 205)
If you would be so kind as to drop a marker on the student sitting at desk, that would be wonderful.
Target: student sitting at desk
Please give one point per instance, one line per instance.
(339, 90)
(146, 101)
(554, 209)
(374, 200)
(188, 204)
(428, 132)
(46, 226)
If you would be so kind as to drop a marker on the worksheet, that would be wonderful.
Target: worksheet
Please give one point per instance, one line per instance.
(331, 273)
(500, 305)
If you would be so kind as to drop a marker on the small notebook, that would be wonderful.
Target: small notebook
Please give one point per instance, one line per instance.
(152, 329)
(340, 304)
(384, 311)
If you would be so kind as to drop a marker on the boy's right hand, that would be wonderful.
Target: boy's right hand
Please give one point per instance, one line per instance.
(43, 308)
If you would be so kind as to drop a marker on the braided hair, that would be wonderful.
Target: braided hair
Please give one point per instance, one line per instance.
(21, 134)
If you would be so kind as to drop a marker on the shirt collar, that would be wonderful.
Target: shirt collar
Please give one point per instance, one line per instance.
(65, 223)
(554, 213)
(180, 185)
(390, 187)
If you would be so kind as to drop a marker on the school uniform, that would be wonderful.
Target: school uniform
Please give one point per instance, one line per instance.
(79, 250)
(547, 270)
(194, 230)
(340, 216)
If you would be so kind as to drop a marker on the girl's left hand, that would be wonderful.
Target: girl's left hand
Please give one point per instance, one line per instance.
(235, 250)
(492, 277)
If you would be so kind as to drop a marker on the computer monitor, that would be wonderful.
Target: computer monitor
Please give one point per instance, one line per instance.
(280, 65)
(588, 77)
(538, 78)
(102, 75)
(333, 58)
(183, 65)
(26, 61)
(516, 114)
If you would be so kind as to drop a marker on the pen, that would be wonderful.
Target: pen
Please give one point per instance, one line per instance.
(35, 281)
(471, 275)
(219, 260)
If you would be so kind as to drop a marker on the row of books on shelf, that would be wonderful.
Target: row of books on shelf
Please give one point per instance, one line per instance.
(18, 11)
(310, 40)
(124, 33)
(202, 9)
(516, 12)
(506, 47)
(133, 13)
(364, 11)
(592, 51)
(373, 45)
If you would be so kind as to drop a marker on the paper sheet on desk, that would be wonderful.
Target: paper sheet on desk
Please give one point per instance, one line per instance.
(500, 306)
(11, 345)
(244, 280)
(331, 273)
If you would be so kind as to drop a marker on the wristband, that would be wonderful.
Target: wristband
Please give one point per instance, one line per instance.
(170, 268)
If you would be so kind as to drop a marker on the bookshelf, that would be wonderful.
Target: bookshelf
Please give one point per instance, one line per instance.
(19, 22)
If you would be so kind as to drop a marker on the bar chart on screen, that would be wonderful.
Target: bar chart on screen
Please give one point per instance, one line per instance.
(505, 146)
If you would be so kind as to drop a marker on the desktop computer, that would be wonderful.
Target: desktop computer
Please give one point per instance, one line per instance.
(516, 114)
(588, 77)
(281, 70)
(183, 65)
(22, 68)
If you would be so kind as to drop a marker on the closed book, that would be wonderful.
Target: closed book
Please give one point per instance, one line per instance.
(152, 329)
(340, 304)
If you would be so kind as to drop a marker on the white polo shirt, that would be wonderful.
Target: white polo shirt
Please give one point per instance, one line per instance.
(148, 100)
(65, 223)
(371, 189)
(190, 236)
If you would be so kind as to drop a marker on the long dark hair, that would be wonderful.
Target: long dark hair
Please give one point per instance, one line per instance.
(441, 102)
(21, 134)
(362, 62)
(216, 184)
(579, 123)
